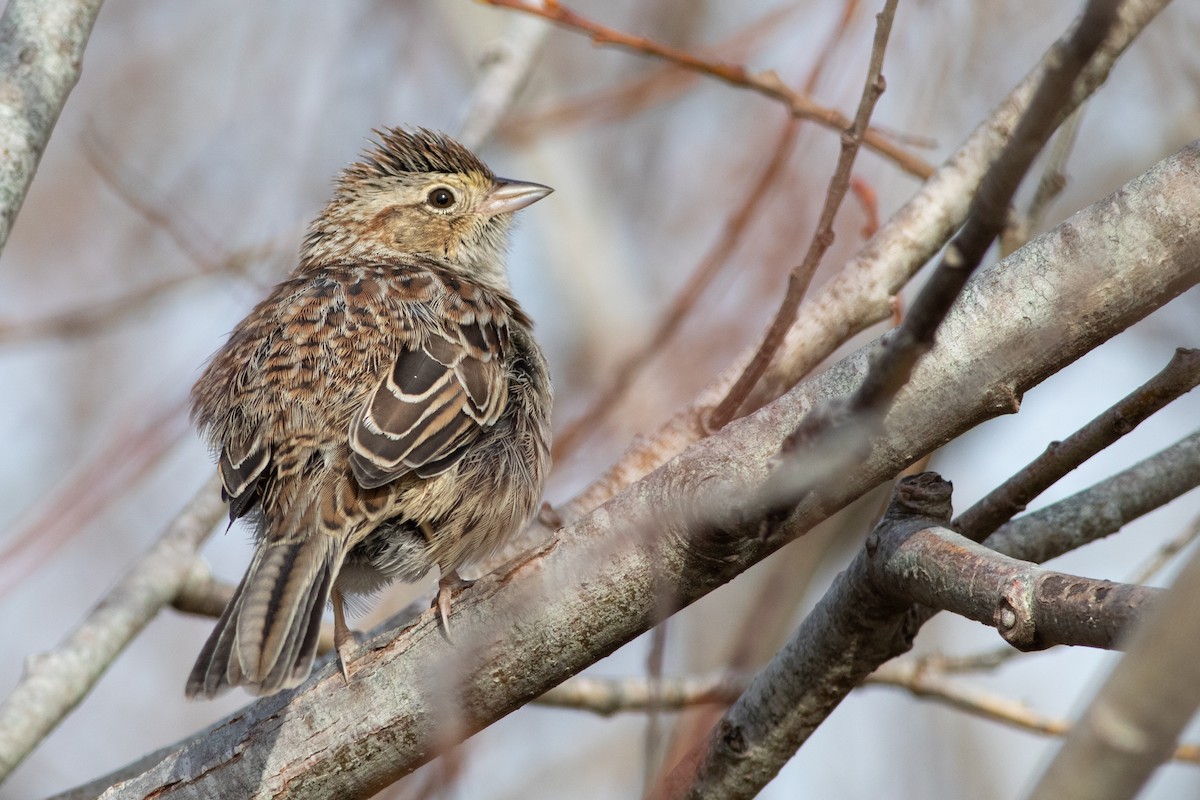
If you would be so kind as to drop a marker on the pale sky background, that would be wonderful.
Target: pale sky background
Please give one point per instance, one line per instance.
(229, 119)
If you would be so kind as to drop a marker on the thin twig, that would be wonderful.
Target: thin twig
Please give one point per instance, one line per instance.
(767, 84)
(863, 291)
(610, 696)
(135, 191)
(840, 432)
(801, 275)
(1177, 378)
(566, 441)
(661, 84)
(1166, 552)
(56, 681)
(127, 457)
(912, 676)
(1105, 507)
(989, 210)
(710, 266)
(1050, 186)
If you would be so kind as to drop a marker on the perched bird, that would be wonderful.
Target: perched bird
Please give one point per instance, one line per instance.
(384, 410)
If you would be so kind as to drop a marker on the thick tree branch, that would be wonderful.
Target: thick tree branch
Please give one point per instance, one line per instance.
(855, 627)
(804, 679)
(673, 538)
(1031, 607)
(41, 53)
(839, 431)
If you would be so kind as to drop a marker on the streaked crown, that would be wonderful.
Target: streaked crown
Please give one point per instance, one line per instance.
(401, 152)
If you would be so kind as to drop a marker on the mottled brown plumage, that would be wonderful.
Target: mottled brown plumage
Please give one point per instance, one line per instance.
(385, 410)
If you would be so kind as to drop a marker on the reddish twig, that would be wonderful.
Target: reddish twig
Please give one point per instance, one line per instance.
(127, 458)
(702, 277)
(658, 86)
(801, 276)
(204, 254)
(766, 83)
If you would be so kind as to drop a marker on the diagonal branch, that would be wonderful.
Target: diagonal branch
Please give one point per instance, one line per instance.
(861, 293)
(1180, 376)
(54, 682)
(598, 583)
(801, 275)
(840, 431)
(41, 51)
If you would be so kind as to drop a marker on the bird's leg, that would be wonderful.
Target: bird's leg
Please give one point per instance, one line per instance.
(343, 637)
(448, 584)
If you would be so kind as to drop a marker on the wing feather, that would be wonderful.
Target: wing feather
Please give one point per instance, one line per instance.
(438, 396)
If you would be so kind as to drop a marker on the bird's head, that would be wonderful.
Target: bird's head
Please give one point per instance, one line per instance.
(420, 193)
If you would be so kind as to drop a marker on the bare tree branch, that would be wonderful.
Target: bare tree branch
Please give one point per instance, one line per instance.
(609, 696)
(717, 257)
(861, 294)
(1104, 508)
(801, 275)
(1176, 379)
(1131, 726)
(1031, 607)
(505, 68)
(600, 582)
(911, 675)
(861, 414)
(41, 53)
(767, 83)
(55, 681)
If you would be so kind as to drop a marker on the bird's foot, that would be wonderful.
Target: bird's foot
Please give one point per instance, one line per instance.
(344, 641)
(447, 586)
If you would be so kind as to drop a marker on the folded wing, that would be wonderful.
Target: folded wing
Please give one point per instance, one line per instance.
(439, 395)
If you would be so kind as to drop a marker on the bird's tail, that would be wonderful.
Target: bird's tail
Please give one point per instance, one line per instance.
(267, 637)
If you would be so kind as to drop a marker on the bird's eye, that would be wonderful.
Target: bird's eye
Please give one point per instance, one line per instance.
(441, 197)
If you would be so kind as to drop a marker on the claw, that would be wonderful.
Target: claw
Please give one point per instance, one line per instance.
(447, 586)
(343, 638)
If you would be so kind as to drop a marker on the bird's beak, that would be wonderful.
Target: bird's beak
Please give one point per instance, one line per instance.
(508, 196)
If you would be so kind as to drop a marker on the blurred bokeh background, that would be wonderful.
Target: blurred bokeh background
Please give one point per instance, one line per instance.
(204, 136)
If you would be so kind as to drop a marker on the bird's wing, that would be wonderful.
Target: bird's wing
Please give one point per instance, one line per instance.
(241, 464)
(437, 397)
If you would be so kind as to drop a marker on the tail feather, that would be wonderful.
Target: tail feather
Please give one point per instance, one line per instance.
(299, 647)
(209, 675)
(267, 637)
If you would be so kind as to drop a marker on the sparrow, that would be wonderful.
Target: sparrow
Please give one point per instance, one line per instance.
(384, 411)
